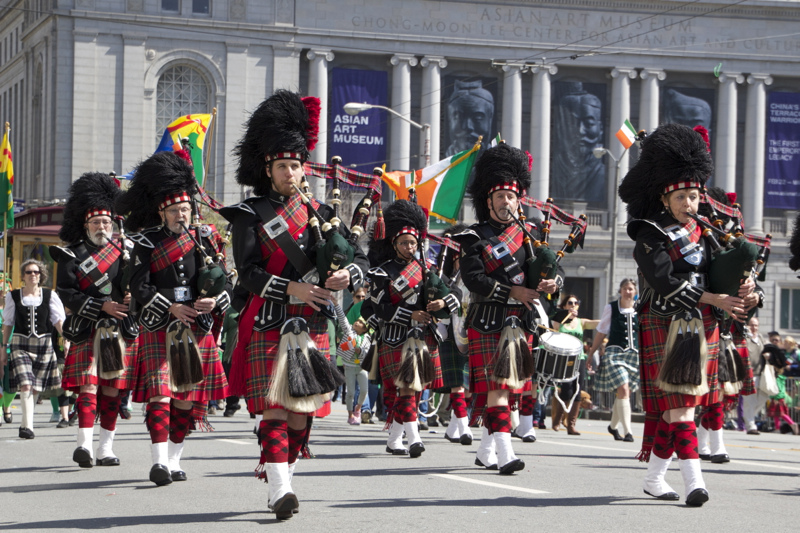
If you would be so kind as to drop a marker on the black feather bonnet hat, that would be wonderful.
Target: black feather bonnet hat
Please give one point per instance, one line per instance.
(284, 126)
(499, 167)
(163, 179)
(673, 157)
(402, 217)
(93, 194)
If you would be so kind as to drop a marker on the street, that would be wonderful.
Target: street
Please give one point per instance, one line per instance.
(570, 483)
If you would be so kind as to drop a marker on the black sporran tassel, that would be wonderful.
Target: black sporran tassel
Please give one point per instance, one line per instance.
(325, 371)
(195, 362)
(683, 368)
(502, 363)
(182, 377)
(301, 376)
(426, 366)
(528, 365)
(723, 373)
(408, 371)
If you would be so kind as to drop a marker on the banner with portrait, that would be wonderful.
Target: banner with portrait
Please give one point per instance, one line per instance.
(579, 126)
(782, 165)
(468, 109)
(360, 140)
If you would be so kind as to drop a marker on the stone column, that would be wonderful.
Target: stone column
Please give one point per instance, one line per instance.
(318, 86)
(133, 63)
(620, 111)
(754, 142)
(286, 68)
(84, 109)
(401, 102)
(724, 137)
(540, 131)
(432, 102)
(648, 108)
(512, 105)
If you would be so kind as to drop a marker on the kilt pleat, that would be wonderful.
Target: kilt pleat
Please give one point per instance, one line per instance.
(391, 358)
(263, 348)
(653, 331)
(617, 368)
(33, 362)
(482, 352)
(151, 377)
(78, 366)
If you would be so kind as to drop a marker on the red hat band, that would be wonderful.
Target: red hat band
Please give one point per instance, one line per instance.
(98, 212)
(176, 198)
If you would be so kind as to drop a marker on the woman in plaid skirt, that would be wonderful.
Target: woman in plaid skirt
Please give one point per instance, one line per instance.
(31, 312)
(397, 298)
(676, 316)
(619, 365)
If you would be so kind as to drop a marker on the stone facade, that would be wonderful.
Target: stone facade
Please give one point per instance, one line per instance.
(79, 82)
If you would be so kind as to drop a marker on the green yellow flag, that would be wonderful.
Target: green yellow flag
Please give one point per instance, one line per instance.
(6, 181)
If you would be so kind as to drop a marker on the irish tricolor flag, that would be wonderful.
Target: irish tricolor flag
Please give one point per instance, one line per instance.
(440, 187)
(626, 134)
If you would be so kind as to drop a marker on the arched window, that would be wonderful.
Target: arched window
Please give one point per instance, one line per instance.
(181, 90)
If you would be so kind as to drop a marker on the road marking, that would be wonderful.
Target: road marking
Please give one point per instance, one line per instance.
(558, 443)
(766, 464)
(235, 441)
(490, 484)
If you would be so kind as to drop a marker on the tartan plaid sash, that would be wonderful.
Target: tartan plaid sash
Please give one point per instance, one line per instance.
(104, 257)
(512, 238)
(683, 242)
(296, 216)
(169, 250)
(413, 274)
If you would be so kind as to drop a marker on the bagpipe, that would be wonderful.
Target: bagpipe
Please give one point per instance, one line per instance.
(542, 262)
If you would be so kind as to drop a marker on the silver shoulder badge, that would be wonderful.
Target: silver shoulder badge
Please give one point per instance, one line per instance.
(205, 230)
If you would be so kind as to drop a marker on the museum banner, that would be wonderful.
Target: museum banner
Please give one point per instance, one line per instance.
(782, 168)
(360, 140)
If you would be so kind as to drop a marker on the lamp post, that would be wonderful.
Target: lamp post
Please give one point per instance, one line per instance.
(354, 108)
(599, 152)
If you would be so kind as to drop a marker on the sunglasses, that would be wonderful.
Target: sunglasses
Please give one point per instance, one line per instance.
(573, 302)
(33, 272)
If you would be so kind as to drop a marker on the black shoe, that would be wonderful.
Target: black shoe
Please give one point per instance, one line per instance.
(628, 438)
(124, 412)
(73, 417)
(720, 458)
(423, 426)
(513, 466)
(399, 451)
(62, 423)
(229, 412)
(26, 433)
(749, 431)
(615, 433)
(286, 506)
(107, 461)
(466, 440)
(527, 438)
(705, 457)
(160, 475)
(252, 415)
(453, 439)
(487, 467)
(433, 422)
(416, 450)
(668, 496)
(178, 475)
(697, 498)
(8, 417)
(83, 457)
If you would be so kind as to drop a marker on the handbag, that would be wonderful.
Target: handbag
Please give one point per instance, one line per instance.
(768, 384)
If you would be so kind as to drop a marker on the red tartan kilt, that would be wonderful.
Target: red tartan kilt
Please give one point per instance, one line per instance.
(653, 338)
(264, 346)
(78, 364)
(748, 384)
(482, 352)
(152, 375)
(390, 359)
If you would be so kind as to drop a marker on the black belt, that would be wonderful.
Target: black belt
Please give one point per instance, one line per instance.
(178, 294)
(697, 279)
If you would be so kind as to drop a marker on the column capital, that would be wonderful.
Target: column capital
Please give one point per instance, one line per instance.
(616, 72)
(658, 74)
(731, 77)
(401, 58)
(519, 67)
(544, 69)
(320, 53)
(439, 61)
(766, 79)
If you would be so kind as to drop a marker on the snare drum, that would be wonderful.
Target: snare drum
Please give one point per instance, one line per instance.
(558, 356)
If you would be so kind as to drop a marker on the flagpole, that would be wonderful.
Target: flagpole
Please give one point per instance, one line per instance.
(207, 149)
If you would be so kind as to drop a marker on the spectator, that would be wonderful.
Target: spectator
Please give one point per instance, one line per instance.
(777, 407)
(31, 312)
(753, 403)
